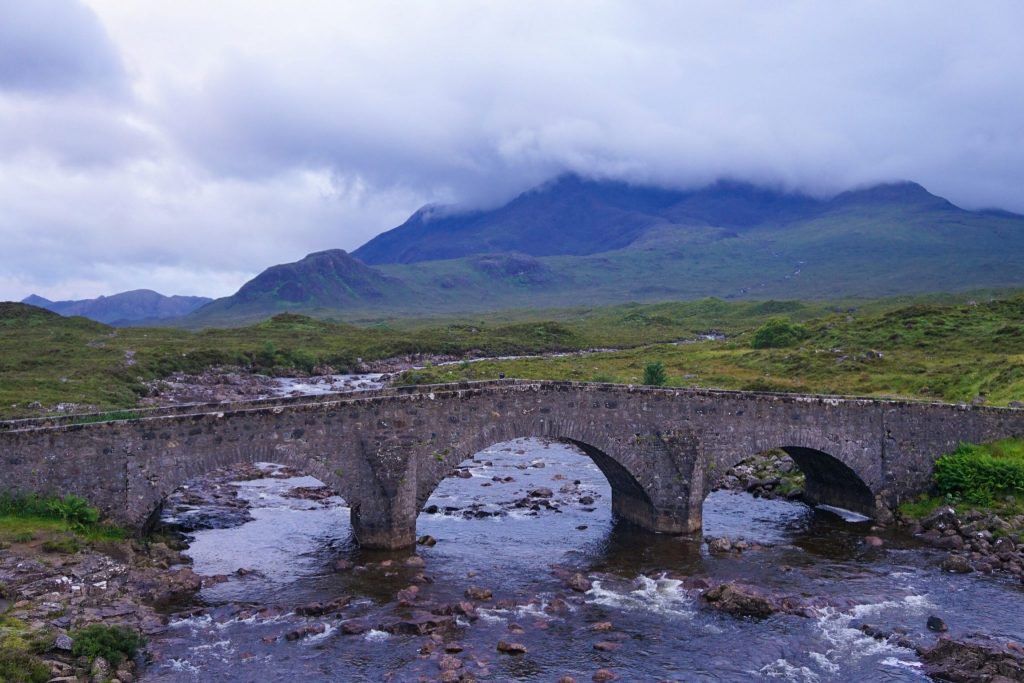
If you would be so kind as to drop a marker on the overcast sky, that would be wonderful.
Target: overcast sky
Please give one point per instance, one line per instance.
(186, 145)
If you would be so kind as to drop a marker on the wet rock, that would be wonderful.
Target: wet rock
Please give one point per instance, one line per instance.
(966, 662)
(478, 593)
(300, 633)
(606, 646)
(353, 627)
(407, 595)
(603, 676)
(739, 601)
(873, 541)
(578, 583)
(556, 606)
(508, 648)
(586, 500)
(936, 624)
(415, 561)
(449, 663)
(958, 564)
(318, 609)
(342, 565)
(427, 540)
(941, 518)
(420, 624)
(566, 679)
(602, 626)
(541, 492)
(720, 545)
(949, 543)
(462, 608)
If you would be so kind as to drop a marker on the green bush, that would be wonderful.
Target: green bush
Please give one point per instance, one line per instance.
(654, 374)
(113, 643)
(976, 474)
(21, 667)
(75, 511)
(778, 334)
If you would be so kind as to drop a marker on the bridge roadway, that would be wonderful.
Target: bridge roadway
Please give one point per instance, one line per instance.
(385, 451)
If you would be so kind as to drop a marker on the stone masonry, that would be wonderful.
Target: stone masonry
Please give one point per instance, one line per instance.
(662, 449)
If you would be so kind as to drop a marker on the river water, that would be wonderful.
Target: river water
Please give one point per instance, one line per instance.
(643, 584)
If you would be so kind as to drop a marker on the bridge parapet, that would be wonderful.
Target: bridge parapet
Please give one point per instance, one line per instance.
(384, 451)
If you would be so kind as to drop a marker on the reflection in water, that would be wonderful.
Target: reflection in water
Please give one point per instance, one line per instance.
(491, 532)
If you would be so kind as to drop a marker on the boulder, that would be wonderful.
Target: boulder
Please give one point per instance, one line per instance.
(478, 593)
(508, 648)
(578, 583)
(739, 601)
(958, 564)
(969, 662)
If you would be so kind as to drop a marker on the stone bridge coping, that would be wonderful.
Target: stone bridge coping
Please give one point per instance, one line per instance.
(72, 422)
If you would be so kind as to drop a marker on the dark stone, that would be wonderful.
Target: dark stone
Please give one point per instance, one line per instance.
(967, 662)
(936, 624)
(739, 601)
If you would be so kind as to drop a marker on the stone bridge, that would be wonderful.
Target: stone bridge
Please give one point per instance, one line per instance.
(662, 449)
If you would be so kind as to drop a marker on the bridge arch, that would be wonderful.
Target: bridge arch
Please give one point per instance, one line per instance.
(636, 466)
(829, 479)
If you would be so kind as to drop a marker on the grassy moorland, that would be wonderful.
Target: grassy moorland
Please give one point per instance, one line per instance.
(944, 347)
(949, 352)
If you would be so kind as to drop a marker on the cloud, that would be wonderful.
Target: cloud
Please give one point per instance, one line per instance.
(219, 138)
(56, 46)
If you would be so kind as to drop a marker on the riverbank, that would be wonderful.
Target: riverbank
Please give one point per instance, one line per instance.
(55, 590)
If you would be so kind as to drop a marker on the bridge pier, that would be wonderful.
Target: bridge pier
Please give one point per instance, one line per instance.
(378, 529)
(646, 515)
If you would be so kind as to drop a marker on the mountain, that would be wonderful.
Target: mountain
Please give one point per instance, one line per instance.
(577, 242)
(322, 281)
(134, 307)
(576, 216)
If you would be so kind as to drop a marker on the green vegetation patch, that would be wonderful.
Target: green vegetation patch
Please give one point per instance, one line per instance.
(113, 643)
(62, 522)
(18, 660)
(778, 334)
(979, 473)
(654, 374)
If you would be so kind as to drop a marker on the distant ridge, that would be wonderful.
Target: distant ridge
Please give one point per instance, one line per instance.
(139, 305)
(576, 241)
(576, 216)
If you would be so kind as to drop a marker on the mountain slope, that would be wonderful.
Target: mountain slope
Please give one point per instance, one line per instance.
(576, 216)
(322, 281)
(127, 307)
(728, 240)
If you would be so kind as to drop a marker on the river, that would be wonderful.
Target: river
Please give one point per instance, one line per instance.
(645, 586)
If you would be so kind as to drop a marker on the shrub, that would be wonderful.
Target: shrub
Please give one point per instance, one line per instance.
(977, 473)
(75, 511)
(21, 667)
(113, 643)
(654, 374)
(778, 334)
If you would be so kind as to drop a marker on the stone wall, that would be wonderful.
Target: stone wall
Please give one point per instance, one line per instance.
(661, 449)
